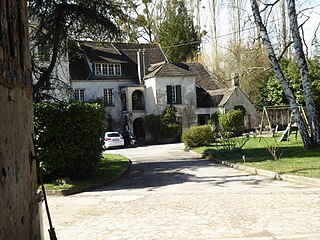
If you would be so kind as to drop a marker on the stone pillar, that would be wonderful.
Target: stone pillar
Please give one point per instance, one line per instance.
(18, 184)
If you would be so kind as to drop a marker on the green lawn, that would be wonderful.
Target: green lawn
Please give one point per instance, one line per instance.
(110, 166)
(294, 159)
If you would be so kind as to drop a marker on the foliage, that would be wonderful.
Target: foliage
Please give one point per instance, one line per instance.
(147, 21)
(168, 119)
(273, 149)
(152, 124)
(68, 137)
(233, 143)
(214, 123)
(176, 34)
(272, 93)
(214, 120)
(162, 126)
(56, 22)
(231, 123)
(197, 136)
(249, 61)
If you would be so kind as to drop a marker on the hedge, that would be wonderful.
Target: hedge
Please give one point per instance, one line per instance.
(68, 137)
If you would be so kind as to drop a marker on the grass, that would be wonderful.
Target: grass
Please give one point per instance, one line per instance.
(110, 166)
(292, 159)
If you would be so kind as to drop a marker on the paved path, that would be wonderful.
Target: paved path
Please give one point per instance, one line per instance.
(171, 194)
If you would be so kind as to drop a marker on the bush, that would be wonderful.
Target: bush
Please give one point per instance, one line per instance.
(198, 136)
(153, 125)
(231, 124)
(68, 138)
(163, 126)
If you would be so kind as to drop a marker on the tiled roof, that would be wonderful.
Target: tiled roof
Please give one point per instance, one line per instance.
(221, 96)
(153, 53)
(169, 69)
(203, 78)
(101, 52)
(204, 100)
(124, 53)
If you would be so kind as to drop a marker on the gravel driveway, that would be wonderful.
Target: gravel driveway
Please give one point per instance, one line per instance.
(172, 194)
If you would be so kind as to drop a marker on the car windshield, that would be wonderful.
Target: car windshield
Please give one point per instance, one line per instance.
(113, 135)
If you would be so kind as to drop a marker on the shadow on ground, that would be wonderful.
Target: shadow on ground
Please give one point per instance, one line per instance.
(158, 174)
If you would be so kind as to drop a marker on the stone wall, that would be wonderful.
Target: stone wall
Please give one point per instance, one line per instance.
(19, 212)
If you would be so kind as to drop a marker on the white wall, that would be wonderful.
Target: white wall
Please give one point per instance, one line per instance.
(157, 86)
(94, 90)
(238, 98)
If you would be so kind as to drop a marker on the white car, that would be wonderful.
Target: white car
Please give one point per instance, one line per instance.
(113, 139)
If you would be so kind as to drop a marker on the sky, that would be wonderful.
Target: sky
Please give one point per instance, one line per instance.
(312, 11)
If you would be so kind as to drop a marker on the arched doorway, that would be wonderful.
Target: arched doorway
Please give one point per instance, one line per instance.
(138, 128)
(137, 100)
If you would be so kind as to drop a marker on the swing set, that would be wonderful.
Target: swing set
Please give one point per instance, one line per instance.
(284, 112)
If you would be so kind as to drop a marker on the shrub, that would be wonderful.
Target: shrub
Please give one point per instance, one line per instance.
(169, 122)
(214, 123)
(153, 125)
(232, 123)
(68, 137)
(198, 136)
(162, 126)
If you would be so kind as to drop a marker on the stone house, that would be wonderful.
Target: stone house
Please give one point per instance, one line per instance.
(136, 80)
(232, 98)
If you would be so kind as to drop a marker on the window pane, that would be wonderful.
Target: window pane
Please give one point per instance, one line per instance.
(117, 69)
(104, 69)
(108, 96)
(111, 70)
(78, 95)
(174, 94)
(98, 69)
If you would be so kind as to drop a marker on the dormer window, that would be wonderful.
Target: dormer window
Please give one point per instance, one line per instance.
(108, 69)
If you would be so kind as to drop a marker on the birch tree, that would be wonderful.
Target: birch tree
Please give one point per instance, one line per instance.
(304, 72)
(309, 140)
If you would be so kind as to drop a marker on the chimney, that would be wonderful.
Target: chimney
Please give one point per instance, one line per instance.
(141, 64)
(235, 79)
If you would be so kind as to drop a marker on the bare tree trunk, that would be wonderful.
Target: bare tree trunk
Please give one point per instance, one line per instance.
(19, 207)
(215, 47)
(284, 24)
(304, 72)
(284, 83)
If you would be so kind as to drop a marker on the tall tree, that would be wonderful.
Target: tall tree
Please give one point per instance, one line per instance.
(56, 22)
(148, 20)
(19, 206)
(308, 140)
(177, 35)
(304, 72)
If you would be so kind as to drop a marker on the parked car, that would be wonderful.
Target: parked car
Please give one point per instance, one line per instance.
(113, 139)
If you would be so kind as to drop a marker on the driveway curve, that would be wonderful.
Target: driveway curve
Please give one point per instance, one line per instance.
(172, 194)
